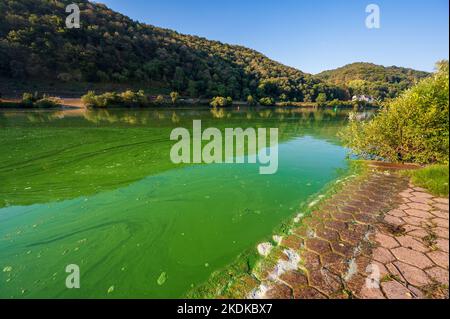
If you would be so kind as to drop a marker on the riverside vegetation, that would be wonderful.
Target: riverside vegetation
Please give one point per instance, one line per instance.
(411, 128)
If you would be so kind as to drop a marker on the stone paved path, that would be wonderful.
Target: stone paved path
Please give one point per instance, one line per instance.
(412, 254)
(379, 238)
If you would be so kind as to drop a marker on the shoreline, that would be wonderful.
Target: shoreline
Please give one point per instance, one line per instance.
(304, 260)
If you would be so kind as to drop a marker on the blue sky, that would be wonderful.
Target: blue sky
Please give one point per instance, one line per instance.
(311, 35)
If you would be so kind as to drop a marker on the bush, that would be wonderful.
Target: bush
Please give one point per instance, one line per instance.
(411, 128)
(159, 100)
(113, 99)
(250, 100)
(28, 99)
(267, 101)
(220, 101)
(47, 102)
(174, 97)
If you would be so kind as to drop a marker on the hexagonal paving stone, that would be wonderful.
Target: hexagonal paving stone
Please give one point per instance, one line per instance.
(415, 221)
(317, 245)
(412, 257)
(395, 290)
(327, 234)
(413, 275)
(442, 244)
(343, 248)
(396, 213)
(421, 194)
(335, 262)
(324, 281)
(386, 241)
(440, 258)
(440, 214)
(438, 274)
(443, 207)
(383, 255)
(421, 200)
(396, 221)
(292, 241)
(440, 222)
(418, 213)
(420, 206)
(294, 278)
(441, 232)
(311, 260)
(412, 243)
(279, 291)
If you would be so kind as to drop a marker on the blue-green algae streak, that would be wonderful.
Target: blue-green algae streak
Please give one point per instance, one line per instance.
(98, 189)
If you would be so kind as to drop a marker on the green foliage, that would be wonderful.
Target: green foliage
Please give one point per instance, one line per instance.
(174, 96)
(267, 101)
(113, 99)
(434, 178)
(411, 128)
(220, 101)
(159, 100)
(250, 100)
(47, 102)
(30, 100)
(374, 80)
(321, 98)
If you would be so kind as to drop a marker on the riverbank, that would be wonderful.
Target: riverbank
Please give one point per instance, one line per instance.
(374, 236)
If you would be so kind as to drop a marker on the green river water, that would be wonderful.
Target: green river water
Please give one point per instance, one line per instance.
(97, 189)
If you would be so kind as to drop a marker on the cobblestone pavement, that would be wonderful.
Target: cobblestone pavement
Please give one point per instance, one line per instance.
(380, 237)
(412, 253)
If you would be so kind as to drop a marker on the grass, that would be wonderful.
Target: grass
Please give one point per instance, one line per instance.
(434, 178)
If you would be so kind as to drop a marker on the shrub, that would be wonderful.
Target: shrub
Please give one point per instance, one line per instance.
(159, 99)
(132, 99)
(112, 99)
(28, 99)
(47, 102)
(250, 100)
(220, 101)
(267, 101)
(174, 96)
(411, 128)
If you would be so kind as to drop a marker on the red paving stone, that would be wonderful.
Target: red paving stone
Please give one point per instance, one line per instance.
(382, 238)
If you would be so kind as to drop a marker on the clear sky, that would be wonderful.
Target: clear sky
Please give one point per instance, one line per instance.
(311, 35)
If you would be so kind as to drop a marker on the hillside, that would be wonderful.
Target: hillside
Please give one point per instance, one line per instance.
(111, 48)
(376, 80)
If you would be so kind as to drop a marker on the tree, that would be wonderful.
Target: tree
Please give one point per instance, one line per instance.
(159, 100)
(414, 127)
(266, 101)
(192, 88)
(220, 101)
(174, 96)
(321, 98)
(250, 100)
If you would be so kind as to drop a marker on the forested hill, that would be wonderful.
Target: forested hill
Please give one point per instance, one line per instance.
(372, 79)
(111, 48)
